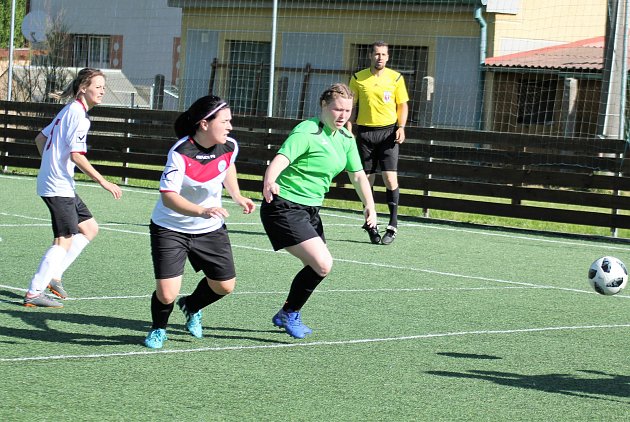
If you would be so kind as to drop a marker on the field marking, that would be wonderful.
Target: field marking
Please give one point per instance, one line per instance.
(315, 343)
(284, 292)
(388, 266)
(481, 231)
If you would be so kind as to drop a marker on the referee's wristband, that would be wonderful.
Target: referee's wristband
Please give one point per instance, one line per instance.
(401, 126)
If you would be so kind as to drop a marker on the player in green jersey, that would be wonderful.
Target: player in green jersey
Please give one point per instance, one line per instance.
(294, 187)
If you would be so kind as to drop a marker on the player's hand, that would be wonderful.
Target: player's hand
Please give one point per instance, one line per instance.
(269, 190)
(112, 188)
(217, 212)
(370, 216)
(247, 205)
(400, 135)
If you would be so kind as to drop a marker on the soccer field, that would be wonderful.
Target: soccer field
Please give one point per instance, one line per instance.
(451, 322)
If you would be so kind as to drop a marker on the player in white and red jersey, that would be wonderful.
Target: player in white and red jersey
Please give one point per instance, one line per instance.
(62, 145)
(188, 221)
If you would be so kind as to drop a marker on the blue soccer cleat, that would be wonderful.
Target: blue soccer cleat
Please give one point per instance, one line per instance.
(193, 321)
(156, 338)
(292, 323)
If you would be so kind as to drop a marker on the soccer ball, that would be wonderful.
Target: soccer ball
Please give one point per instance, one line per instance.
(608, 275)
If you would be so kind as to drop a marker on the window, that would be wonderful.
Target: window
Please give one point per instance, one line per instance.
(91, 51)
(536, 101)
(249, 77)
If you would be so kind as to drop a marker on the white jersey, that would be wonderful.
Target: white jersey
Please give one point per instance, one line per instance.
(66, 134)
(197, 174)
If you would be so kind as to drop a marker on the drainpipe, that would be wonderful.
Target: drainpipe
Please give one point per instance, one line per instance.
(483, 43)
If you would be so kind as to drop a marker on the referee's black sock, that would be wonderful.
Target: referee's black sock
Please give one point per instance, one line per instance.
(303, 285)
(393, 196)
(201, 297)
(160, 312)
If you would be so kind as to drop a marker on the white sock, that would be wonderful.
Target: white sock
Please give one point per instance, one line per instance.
(79, 242)
(49, 264)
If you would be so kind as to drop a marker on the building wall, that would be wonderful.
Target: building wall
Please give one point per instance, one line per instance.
(543, 23)
(326, 40)
(148, 28)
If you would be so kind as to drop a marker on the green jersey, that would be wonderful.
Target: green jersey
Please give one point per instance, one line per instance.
(316, 155)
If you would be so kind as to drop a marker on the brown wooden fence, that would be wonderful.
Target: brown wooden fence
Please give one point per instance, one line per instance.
(567, 180)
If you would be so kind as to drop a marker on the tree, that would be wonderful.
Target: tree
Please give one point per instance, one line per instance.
(47, 72)
(5, 23)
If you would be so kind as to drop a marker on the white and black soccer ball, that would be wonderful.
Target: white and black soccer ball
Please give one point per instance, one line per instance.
(608, 275)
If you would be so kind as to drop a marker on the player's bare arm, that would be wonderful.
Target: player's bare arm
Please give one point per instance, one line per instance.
(178, 203)
(84, 165)
(402, 110)
(231, 185)
(40, 141)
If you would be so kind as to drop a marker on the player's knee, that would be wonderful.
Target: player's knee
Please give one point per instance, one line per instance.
(166, 297)
(89, 228)
(223, 287)
(323, 268)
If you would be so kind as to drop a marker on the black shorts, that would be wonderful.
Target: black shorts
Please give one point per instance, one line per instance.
(378, 148)
(66, 214)
(208, 252)
(288, 223)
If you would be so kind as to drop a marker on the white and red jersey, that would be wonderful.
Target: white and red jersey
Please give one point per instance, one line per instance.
(197, 174)
(66, 134)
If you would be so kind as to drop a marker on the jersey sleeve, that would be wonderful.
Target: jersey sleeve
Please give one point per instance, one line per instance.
(48, 129)
(234, 152)
(354, 162)
(295, 145)
(173, 175)
(354, 88)
(401, 94)
(76, 132)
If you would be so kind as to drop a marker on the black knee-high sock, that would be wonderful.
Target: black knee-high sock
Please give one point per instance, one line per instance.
(160, 312)
(393, 196)
(303, 285)
(201, 297)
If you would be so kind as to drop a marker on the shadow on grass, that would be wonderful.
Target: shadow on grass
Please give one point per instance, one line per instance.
(468, 355)
(601, 384)
(44, 321)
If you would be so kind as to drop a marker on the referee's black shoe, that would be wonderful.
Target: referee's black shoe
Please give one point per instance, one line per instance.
(389, 236)
(373, 233)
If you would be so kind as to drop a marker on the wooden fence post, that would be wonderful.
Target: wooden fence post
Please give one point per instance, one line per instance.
(158, 93)
(213, 75)
(305, 83)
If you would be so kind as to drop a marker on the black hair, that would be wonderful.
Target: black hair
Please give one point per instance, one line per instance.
(187, 123)
(378, 44)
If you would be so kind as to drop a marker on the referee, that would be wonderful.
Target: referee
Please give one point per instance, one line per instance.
(381, 110)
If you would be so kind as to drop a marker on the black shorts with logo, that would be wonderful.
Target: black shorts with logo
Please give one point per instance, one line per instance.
(378, 148)
(208, 252)
(288, 223)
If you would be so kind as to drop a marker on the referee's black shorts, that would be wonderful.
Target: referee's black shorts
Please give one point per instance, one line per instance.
(208, 252)
(288, 223)
(378, 148)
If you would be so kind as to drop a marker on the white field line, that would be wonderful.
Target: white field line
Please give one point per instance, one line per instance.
(315, 343)
(388, 266)
(283, 292)
(358, 219)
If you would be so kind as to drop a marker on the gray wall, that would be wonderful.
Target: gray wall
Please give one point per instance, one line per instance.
(148, 28)
(456, 83)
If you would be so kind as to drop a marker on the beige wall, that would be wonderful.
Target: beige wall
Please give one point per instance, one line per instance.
(543, 23)
(358, 27)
